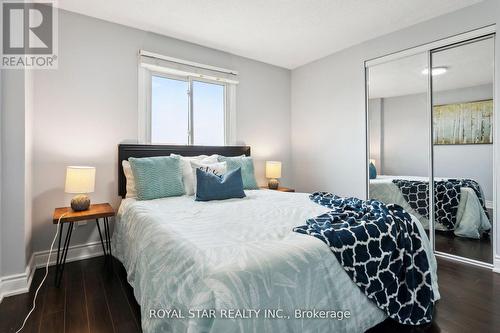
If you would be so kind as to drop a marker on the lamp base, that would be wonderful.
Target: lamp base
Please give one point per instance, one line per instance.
(273, 184)
(80, 202)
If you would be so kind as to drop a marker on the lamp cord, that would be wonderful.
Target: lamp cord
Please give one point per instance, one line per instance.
(44, 277)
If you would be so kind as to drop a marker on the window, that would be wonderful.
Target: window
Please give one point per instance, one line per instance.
(187, 111)
(208, 113)
(169, 110)
(183, 106)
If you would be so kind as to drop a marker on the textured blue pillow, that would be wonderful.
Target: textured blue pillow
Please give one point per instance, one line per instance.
(373, 171)
(157, 177)
(212, 187)
(247, 170)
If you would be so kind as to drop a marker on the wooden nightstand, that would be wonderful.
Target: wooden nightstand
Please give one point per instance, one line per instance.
(95, 212)
(281, 189)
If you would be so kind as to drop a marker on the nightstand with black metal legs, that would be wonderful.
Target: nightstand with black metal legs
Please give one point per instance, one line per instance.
(95, 212)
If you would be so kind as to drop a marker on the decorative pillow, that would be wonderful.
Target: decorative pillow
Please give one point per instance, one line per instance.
(213, 187)
(127, 170)
(218, 169)
(157, 177)
(188, 177)
(247, 169)
(373, 171)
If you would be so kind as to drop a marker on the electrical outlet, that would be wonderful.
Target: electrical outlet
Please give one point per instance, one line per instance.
(79, 224)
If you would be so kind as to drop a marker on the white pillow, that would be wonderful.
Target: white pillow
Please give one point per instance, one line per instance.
(219, 168)
(127, 170)
(188, 177)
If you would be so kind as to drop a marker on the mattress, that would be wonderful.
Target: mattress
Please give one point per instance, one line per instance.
(183, 256)
(471, 218)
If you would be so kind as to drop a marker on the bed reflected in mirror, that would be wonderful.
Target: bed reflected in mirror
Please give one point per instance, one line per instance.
(398, 127)
(462, 116)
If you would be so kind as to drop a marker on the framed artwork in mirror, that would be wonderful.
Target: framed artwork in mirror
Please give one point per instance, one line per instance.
(463, 123)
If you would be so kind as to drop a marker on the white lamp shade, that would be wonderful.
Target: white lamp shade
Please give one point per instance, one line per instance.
(80, 179)
(273, 169)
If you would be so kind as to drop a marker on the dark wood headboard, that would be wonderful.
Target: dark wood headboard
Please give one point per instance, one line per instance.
(148, 150)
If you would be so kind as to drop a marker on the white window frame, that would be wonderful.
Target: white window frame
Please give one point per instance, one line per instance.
(145, 75)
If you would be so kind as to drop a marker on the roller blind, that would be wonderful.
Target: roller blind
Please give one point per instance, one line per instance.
(169, 65)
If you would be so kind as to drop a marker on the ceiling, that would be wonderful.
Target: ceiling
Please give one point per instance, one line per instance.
(286, 33)
(468, 65)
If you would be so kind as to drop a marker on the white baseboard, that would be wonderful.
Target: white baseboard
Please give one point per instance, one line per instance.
(20, 283)
(496, 264)
(75, 252)
(17, 283)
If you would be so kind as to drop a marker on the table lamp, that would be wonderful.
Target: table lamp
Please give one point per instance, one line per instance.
(80, 180)
(273, 172)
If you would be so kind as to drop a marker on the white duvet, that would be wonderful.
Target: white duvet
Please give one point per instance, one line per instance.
(237, 254)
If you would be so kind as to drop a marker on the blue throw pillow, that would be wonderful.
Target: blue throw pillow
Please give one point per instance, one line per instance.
(212, 187)
(247, 170)
(157, 177)
(373, 171)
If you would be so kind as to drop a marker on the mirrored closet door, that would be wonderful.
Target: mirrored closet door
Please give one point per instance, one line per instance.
(399, 127)
(462, 137)
(430, 125)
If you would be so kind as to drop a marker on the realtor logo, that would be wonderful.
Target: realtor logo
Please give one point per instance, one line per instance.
(29, 36)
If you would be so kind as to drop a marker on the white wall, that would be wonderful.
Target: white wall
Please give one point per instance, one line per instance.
(406, 136)
(328, 125)
(328, 104)
(376, 123)
(16, 224)
(29, 111)
(89, 105)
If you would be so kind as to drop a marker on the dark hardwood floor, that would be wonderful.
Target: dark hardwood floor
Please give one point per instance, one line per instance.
(477, 249)
(95, 298)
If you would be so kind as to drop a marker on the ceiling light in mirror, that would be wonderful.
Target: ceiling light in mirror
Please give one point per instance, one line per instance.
(435, 71)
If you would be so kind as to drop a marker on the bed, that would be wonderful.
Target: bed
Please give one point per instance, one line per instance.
(228, 257)
(472, 221)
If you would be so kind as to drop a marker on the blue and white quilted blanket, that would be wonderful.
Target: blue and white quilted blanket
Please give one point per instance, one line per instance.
(447, 197)
(380, 248)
